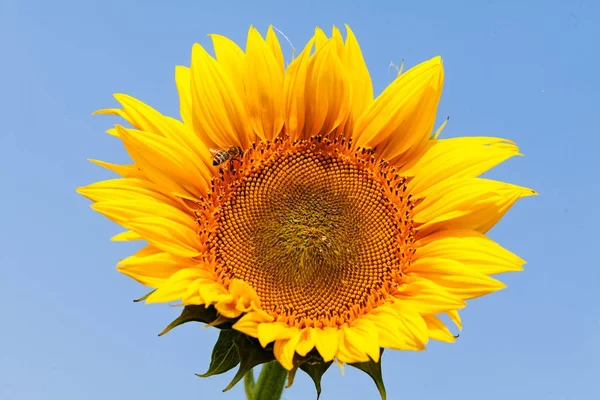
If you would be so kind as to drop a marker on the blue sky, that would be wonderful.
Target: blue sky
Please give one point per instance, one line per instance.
(522, 70)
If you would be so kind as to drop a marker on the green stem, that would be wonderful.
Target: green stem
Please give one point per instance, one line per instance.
(270, 382)
(249, 385)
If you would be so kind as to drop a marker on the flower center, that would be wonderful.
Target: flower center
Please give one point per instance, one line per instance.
(318, 234)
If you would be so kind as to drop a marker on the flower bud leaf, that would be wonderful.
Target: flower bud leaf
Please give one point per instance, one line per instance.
(192, 313)
(251, 354)
(225, 354)
(144, 297)
(316, 370)
(373, 369)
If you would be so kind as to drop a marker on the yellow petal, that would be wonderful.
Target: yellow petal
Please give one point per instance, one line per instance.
(108, 111)
(219, 113)
(177, 285)
(126, 189)
(192, 294)
(327, 92)
(149, 120)
(470, 248)
(425, 297)
(152, 266)
(269, 332)
(455, 317)
(226, 304)
(112, 132)
(247, 297)
(338, 40)
(116, 112)
(126, 171)
(273, 43)
(400, 120)
(143, 117)
(264, 87)
(284, 350)
(167, 235)
(166, 163)
(412, 326)
(456, 278)
(126, 236)
(362, 335)
(391, 331)
(123, 211)
(212, 293)
(248, 323)
(421, 121)
(437, 329)
(194, 148)
(320, 38)
(306, 341)
(231, 58)
(294, 88)
(347, 352)
(458, 158)
(326, 342)
(475, 204)
(361, 91)
(183, 81)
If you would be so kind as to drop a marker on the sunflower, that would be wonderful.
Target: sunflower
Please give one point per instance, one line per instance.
(310, 216)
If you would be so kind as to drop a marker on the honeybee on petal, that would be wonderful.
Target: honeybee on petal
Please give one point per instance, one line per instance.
(221, 156)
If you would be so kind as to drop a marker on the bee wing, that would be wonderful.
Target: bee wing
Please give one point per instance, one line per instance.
(214, 151)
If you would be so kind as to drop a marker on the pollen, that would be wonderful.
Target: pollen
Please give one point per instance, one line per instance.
(321, 231)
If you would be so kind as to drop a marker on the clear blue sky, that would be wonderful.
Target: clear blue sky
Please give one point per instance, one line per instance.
(527, 72)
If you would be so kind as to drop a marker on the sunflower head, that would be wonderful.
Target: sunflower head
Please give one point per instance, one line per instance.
(309, 221)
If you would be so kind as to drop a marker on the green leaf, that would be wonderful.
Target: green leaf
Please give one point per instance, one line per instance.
(315, 371)
(144, 297)
(225, 354)
(251, 354)
(192, 313)
(373, 369)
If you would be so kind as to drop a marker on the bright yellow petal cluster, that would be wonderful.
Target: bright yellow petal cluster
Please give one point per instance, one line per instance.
(239, 98)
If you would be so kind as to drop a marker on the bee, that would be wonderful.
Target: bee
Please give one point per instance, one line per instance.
(222, 155)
